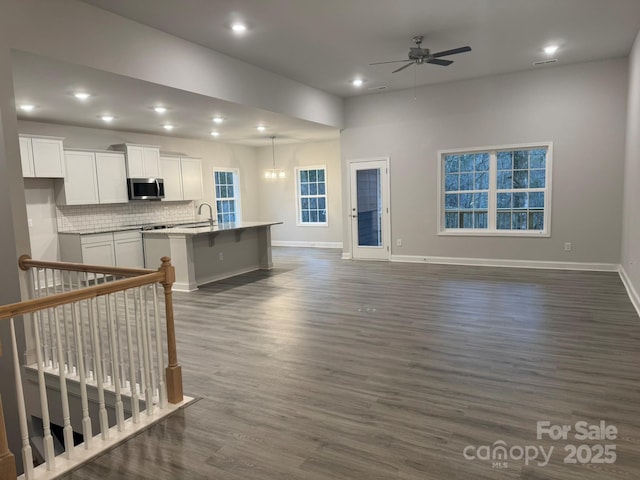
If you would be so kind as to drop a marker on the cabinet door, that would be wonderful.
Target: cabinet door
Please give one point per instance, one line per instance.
(128, 249)
(48, 157)
(170, 172)
(135, 162)
(26, 157)
(151, 162)
(112, 178)
(80, 185)
(100, 253)
(192, 179)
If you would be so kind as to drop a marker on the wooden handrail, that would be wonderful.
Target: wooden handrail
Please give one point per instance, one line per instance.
(30, 306)
(25, 262)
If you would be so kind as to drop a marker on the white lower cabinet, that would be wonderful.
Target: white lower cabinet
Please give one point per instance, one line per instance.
(128, 249)
(118, 249)
(98, 249)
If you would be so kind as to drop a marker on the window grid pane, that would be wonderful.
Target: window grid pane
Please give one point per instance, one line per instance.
(519, 195)
(466, 191)
(521, 179)
(226, 196)
(312, 196)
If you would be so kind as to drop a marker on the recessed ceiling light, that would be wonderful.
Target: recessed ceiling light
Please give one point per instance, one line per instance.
(218, 120)
(81, 95)
(239, 27)
(159, 109)
(215, 134)
(167, 126)
(551, 49)
(261, 128)
(107, 118)
(357, 82)
(27, 107)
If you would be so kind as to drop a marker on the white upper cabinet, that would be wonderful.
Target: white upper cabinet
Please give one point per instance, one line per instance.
(93, 177)
(182, 178)
(26, 157)
(143, 161)
(112, 177)
(171, 173)
(192, 178)
(80, 185)
(42, 157)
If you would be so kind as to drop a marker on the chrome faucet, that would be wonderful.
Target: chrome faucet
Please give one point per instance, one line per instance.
(211, 221)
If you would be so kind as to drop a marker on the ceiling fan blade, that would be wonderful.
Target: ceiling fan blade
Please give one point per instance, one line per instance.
(437, 61)
(403, 67)
(392, 61)
(452, 52)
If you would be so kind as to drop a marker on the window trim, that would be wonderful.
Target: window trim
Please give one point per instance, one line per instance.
(492, 210)
(299, 222)
(237, 197)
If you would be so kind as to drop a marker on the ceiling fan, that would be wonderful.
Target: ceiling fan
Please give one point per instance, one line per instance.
(419, 55)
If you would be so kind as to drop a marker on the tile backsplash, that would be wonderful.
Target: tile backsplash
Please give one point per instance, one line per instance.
(87, 217)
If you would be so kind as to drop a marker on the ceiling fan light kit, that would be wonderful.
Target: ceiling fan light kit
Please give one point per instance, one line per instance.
(420, 56)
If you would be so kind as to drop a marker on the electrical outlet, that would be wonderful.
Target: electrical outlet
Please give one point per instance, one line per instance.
(567, 247)
(30, 222)
(221, 256)
(399, 242)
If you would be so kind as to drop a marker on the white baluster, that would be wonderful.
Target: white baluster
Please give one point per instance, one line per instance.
(117, 316)
(27, 457)
(162, 389)
(68, 334)
(148, 320)
(94, 316)
(93, 360)
(52, 341)
(86, 420)
(135, 400)
(148, 391)
(49, 454)
(115, 364)
(137, 304)
(40, 313)
(64, 398)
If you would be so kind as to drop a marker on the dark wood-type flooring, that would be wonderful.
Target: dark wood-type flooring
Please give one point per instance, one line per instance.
(331, 369)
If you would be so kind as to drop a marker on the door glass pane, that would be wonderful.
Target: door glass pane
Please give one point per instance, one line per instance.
(369, 195)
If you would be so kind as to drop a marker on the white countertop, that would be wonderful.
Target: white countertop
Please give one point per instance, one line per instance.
(222, 227)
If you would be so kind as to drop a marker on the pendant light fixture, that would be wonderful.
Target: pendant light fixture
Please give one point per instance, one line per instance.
(274, 172)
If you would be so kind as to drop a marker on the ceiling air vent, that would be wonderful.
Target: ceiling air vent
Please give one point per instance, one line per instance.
(379, 88)
(545, 62)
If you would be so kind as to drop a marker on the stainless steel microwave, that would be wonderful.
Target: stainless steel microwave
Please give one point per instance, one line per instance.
(145, 188)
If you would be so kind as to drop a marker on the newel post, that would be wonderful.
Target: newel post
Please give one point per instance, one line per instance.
(7, 460)
(174, 371)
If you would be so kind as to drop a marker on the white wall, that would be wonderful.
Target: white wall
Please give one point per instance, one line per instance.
(39, 194)
(278, 197)
(213, 154)
(581, 108)
(631, 226)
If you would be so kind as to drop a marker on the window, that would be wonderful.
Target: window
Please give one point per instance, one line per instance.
(311, 186)
(496, 191)
(227, 191)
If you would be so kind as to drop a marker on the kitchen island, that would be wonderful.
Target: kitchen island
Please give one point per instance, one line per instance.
(204, 254)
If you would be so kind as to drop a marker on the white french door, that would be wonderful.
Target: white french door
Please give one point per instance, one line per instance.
(369, 210)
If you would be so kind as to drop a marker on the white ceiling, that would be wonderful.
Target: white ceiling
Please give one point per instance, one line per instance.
(326, 43)
(49, 85)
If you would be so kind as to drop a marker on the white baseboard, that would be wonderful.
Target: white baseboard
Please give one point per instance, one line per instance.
(633, 293)
(491, 262)
(288, 243)
(346, 256)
